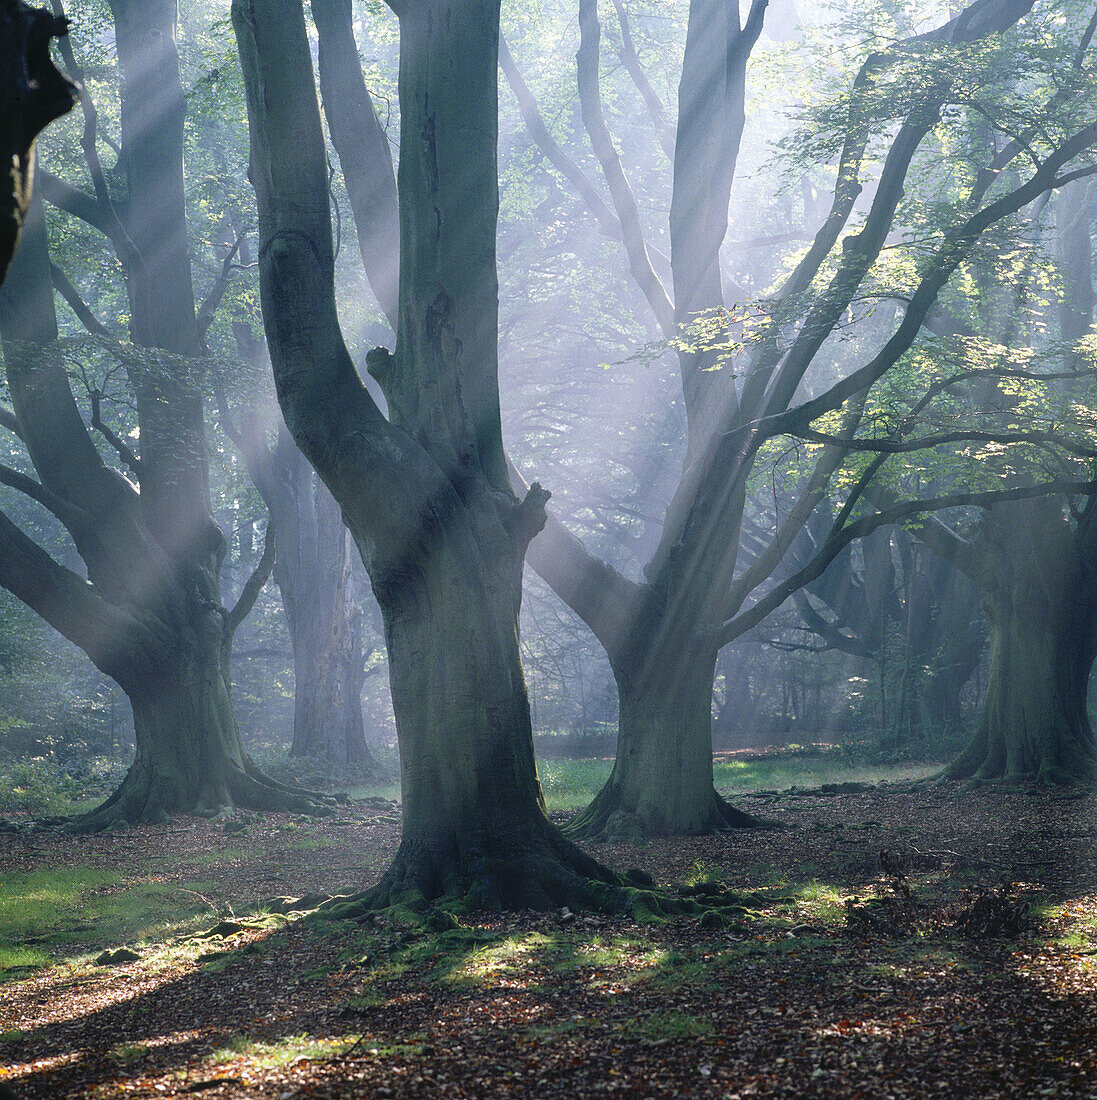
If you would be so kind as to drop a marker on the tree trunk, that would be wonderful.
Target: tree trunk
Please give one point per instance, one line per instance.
(1038, 593)
(313, 574)
(661, 783)
(425, 494)
(152, 620)
(327, 712)
(189, 754)
(474, 817)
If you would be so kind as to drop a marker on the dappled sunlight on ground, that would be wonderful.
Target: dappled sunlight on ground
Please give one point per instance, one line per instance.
(794, 997)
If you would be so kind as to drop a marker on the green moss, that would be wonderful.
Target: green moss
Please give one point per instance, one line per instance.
(668, 1027)
(72, 911)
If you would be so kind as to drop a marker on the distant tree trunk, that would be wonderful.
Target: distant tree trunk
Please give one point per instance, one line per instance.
(313, 573)
(1040, 596)
(32, 94)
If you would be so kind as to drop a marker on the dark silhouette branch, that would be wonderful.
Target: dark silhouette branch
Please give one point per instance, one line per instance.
(125, 453)
(838, 540)
(253, 586)
(77, 304)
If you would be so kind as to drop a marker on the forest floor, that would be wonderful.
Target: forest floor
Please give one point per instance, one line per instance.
(982, 982)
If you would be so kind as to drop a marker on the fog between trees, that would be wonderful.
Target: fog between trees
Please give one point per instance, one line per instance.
(788, 308)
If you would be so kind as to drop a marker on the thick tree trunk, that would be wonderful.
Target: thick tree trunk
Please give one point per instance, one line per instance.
(424, 494)
(159, 629)
(189, 754)
(474, 816)
(1038, 592)
(662, 784)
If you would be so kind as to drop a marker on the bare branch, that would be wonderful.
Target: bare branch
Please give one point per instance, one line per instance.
(253, 586)
(631, 60)
(590, 102)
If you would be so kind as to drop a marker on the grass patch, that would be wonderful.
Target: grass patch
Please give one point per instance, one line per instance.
(68, 911)
(780, 773)
(14, 960)
(572, 784)
(310, 843)
(281, 1053)
(667, 1027)
(506, 958)
(820, 901)
(124, 1053)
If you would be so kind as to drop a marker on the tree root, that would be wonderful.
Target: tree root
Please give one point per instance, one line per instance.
(146, 798)
(607, 819)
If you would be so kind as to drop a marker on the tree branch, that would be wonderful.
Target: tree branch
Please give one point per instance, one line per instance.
(76, 303)
(208, 308)
(123, 450)
(957, 245)
(9, 420)
(253, 586)
(732, 628)
(113, 639)
(590, 103)
(75, 519)
(631, 60)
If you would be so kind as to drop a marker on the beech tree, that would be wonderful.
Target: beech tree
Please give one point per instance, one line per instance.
(663, 635)
(1034, 565)
(700, 591)
(424, 491)
(149, 612)
(33, 92)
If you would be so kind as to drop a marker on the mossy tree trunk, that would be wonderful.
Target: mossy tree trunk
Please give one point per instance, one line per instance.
(425, 491)
(662, 778)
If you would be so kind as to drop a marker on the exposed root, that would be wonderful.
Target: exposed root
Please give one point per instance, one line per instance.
(1058, 765)
(608, 819)
(144, 797)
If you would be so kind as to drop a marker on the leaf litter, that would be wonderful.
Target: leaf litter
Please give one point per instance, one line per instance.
(892, 942)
